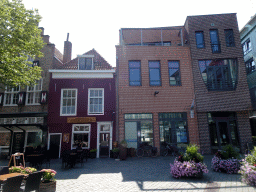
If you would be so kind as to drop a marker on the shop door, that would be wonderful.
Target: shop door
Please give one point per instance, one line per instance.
(104, 144)
(18, 142)
(223, 133)
(54, 145)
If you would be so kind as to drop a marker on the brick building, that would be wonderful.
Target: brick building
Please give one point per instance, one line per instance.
(183, 84)
(155, 88)
(23, 111)
(82, 104)
(221, 91)
(248, 39)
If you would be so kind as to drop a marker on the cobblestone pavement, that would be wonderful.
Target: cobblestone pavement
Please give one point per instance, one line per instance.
(140, 174)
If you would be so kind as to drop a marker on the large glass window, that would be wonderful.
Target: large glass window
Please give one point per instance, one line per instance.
(34, 138)
(33, 93)
(219, 74)
(199, 39)
(174, 72)
(68, 102)
(11, 95)
(96, 101)
(173, 128)
(138, 129)
(229, 36)
(154, 73)
(85, 63)
(250, 66)
(81, 136)
(215, 41)
(134, 73)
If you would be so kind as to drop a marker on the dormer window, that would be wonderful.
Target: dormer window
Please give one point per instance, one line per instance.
(85, 62)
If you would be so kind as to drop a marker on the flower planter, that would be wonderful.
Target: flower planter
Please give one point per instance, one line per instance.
(230, 166)
(48, 187)
(188, 169)
(93, 155)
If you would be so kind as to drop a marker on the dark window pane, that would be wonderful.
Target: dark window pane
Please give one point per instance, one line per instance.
(134, 73)
(200, 39)
(215, 41)
(154, 73)
(81, 63)
(229, 38)
(88, 62)
(174, 74)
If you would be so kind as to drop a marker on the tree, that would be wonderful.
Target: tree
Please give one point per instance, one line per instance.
(20, 38)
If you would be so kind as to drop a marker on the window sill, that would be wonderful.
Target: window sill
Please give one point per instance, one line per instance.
(33, 104)
(13, 105)
(95, 114)
(67, 115)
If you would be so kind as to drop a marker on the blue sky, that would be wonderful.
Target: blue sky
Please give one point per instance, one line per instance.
(95, 24)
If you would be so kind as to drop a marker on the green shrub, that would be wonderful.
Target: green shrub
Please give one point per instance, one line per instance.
(192, 154)
(93, 150)
(230, 152)
(251, 158)
(115, 150)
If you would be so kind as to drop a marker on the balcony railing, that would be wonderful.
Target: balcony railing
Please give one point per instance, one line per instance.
(215, 48)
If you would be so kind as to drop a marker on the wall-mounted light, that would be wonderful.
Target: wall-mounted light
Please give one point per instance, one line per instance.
(156, 92)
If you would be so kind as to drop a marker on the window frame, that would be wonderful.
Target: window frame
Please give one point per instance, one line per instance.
(34, 91)
(217, 41)
(88, 109)
(134, 68)
(160, 79)
(12, 92)
(75, 132)
(228, 43)
(179, 82)
(203, 44)
(61, 102)
(85, 57)
(249, 66)
(248, 48)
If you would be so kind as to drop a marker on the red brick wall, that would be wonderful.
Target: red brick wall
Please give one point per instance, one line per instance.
(141, 99)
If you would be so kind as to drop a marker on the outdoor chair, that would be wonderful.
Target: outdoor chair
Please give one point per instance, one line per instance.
(33, 182)
(12, 184)
(47, 158)
(4, 170)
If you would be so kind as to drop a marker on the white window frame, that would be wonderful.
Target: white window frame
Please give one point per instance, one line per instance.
(247, 46)
(88, 110)
(12, 92)
(34, 91)
(85, 56)
(61, 103)
(74, 132)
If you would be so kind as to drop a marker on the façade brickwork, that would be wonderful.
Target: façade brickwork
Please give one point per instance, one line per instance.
(237, 100)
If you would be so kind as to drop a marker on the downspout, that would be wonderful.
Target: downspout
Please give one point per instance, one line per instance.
(181, 37)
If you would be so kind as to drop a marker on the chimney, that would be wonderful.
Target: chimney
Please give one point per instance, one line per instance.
(67, 50)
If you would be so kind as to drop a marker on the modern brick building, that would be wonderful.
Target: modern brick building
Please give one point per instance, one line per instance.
(183, 85)
(23, 111)
(82, 104)
(248, 40)
(155, 92)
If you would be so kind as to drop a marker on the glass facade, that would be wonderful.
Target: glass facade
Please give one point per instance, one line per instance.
(173, 128)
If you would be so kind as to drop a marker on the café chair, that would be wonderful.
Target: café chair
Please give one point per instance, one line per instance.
(33, 182)
(12, 184)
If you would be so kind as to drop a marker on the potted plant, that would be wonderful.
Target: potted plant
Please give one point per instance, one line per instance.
(48, 183)
(21, 169)
(93, 153)
(226, 160)
(123, 150)
(189, 165)
(115, 152)
(248, 168)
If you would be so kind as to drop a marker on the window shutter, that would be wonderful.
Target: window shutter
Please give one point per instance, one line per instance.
(21, 98)
(43, 98)
(1, 99)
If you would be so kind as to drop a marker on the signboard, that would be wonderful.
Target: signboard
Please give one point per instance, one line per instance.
(81, 119)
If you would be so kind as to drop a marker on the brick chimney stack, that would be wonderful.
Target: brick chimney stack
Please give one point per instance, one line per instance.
(67, 50)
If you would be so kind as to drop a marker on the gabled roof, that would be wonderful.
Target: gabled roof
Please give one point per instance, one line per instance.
(99, 62)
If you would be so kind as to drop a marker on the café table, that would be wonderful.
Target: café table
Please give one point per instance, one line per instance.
(6, 176)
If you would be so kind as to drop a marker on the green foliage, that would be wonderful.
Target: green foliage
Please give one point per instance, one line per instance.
(93, 150)
(19, 38)
(192, 154)
(123, 143)
(229, 152)
(115, 150)
(251, 158)
(254, 138)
